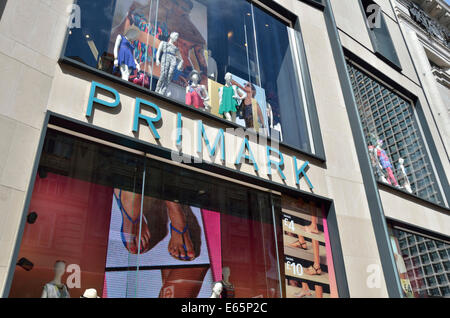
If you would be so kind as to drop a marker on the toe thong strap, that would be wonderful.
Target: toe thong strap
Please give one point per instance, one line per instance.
(176, 230)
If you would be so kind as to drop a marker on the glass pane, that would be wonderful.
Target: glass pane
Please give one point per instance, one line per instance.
(411, 170)
(198, 231)
(65, 243)
(184, 49)
(420, 278)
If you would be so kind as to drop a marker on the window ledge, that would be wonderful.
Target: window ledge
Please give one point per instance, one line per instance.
(411, 197)
(117, 80)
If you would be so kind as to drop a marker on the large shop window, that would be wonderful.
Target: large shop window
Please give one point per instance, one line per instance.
(229, 58)
(394, 139)
(423, 263)
(125, 226)
(107, 222)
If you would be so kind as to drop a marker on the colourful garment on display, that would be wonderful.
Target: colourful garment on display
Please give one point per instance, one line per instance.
(391, 178)
(228, 103)
(384, 159)
(126, 54)
(54, 291)
(193, 97)
(248, 115)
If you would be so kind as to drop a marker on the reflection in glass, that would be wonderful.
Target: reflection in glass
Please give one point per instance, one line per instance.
(131, 227)
(401, 159)
(419, 278)
(184, 48)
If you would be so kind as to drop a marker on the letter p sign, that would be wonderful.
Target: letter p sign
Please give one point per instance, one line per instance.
(93, 99)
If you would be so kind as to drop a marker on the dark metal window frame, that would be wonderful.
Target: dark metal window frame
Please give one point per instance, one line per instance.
(304, 72)
(426, 135)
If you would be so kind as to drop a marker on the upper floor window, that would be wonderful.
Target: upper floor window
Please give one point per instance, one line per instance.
(399, 159)
(379, 33)
(229, 58)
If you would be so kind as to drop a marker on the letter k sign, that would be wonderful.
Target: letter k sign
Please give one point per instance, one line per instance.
(302, 171)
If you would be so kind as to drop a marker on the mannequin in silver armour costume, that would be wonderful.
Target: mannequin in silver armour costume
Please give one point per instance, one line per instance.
(169, 57)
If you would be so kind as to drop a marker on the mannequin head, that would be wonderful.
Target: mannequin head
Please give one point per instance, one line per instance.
(379, 143)
(194, 76)
(226, 273)
(132, 33)
(228, 77)
(174, 37)
(249, 87)
(217, 288)
(60, 268)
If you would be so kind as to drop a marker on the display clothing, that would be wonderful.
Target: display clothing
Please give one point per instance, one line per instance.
(169, 62)
(390, 177)
(248, 115)
(194, 98)
(386, 164)
(227, 290)
(384, 159)
(126, 54)
(228, 103)
(54, 291)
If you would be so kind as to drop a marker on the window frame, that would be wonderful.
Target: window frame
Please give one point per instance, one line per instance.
(419, 117)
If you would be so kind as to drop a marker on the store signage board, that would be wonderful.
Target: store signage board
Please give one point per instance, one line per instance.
(273, 159)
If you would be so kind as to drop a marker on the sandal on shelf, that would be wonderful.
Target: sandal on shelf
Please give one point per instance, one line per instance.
(312, 270)
(307, 230)
(302, 294)
(297, 244)
(185, 258)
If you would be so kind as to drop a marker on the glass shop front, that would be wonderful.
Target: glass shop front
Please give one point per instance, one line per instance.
(105, 222)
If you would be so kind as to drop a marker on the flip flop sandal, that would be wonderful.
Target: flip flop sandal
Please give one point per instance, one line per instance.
(305, 228)
(185, 258)
(299, 245)
(317, 271)
(123, 212)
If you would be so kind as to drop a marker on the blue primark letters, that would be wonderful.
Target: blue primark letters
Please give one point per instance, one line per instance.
(201, 135)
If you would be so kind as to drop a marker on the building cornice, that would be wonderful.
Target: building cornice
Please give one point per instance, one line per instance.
(432, 43)
(441, 76)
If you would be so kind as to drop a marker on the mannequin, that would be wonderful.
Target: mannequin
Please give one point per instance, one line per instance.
(406, 184)
(217, 290)
(228, 288)
(196, 94)
(228, 97)
(385, 163)
(378, 169)
(169, 57)
(55, 288)
(124, 53)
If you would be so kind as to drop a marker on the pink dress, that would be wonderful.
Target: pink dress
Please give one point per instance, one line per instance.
(193, 97)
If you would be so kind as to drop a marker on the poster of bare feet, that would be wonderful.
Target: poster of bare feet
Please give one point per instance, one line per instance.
(162, 252)
(308, 263)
